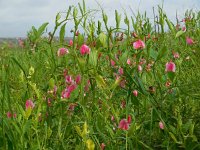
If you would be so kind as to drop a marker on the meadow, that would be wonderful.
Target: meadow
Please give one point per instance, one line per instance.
(106, 88)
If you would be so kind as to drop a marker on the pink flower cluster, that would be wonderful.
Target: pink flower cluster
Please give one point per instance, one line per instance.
(62, 51)
(170, 67)
(71, 85)
(189, 41)
(10, 115)
(84, 49)
(139, 44)
(29, 104)
(124, 123)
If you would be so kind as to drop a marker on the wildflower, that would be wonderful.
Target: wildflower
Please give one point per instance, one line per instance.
(112, 118)
(77, 33)
(189, 41)
(184, 29)
(122, 83)
(161, 125)
(176, 55)
(65, 94)
(148, 67)
(78, 79)
(167, 84)
(139, 68)
(123, 124)
(72, 106)
(128, 61)
(62, 51)
(29, 104)
(170, 67)
(9, 114)
(112, 62)
(135, 93)
(70, 42)
(134, 35)
(14, 115)
(65, 72)
(139, 45)
(103, 146)
(123, 104)
(71, 88)
(129, 119)
(68, 79)
(121, 71)
(142, 61)
(84, 49)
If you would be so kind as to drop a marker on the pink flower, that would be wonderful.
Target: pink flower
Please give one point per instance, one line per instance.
(176, 55)
(62, 51)
(103, 146)
(170, 67)
(129, 119)
(14, 115)
(139, 68)
(135, 93)
(29, 104)
(121, 71)
(72, 106)
(9, 114)
(161, 125)
(189, 41)
(123, 83)
(55, 90)
(184, 29)
(71, 88)
(139, 44)
(123, 124)
(112, 118)
(70, 42)
(65, 94)
(84, 49)
(21, 43)
(68, 79)
(112, 62)
(128, 61)
(78, 79)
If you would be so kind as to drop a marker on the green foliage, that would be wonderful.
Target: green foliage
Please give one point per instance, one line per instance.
(101, 84)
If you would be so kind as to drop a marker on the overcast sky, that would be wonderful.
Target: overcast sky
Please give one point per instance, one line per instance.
(18, 16)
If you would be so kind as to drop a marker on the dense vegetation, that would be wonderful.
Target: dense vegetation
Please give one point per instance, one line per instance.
(106, 88)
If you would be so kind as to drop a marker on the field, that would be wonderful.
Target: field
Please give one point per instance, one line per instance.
(106, 88)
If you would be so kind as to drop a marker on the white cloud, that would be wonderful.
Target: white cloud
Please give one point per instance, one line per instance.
(17, 16)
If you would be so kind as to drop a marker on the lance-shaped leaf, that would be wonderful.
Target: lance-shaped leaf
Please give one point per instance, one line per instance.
(62, 33)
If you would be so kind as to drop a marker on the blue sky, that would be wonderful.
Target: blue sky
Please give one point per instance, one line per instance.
(18, 16)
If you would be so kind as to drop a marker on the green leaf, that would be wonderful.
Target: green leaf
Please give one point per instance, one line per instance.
(162, 53)
(179, 33)
(80, 39)
(51, 83)
(170, 25)
(58, 16)
(27, 126)
(105, 18)
(171, 75)
(100, 81)
(41, 29)
(153, 54)
(62, 33)
(103, 39)
(173, 137)
(93, 58)
(117, 19)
